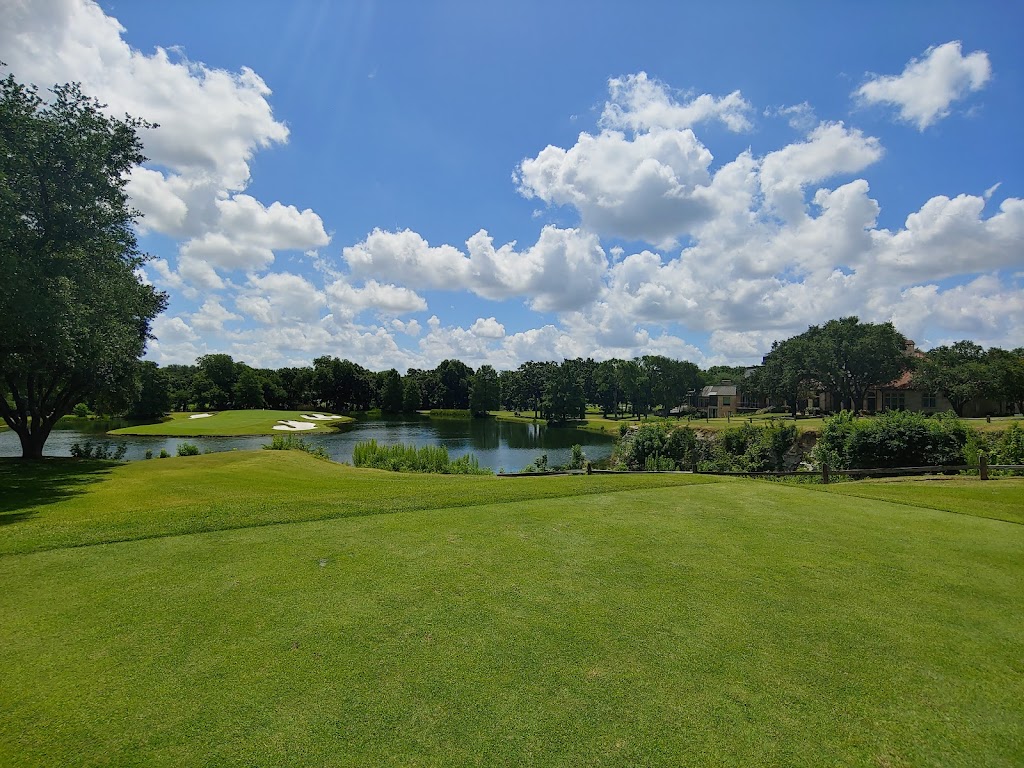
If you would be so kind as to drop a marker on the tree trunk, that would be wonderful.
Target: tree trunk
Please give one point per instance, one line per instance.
(32, 441)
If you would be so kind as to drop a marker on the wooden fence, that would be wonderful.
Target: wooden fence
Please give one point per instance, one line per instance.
(826, 473)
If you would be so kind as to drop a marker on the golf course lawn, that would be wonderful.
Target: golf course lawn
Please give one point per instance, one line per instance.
(267, 608)
(225, 423)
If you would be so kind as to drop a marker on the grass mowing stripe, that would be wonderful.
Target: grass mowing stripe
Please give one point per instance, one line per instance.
(999, 499)
(739, 623)
(55, 504)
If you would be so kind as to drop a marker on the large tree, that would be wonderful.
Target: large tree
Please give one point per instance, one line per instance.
(74, 316)
(484, 391)
(960, 372)
(848, 357)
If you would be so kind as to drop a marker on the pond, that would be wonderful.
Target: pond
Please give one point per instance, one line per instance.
(496, 444)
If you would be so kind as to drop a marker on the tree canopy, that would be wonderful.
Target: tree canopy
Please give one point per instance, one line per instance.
(74, 316)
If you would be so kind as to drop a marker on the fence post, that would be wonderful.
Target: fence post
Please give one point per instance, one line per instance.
(693, 469)
(590, 468)
(824, 474)
(983, 465)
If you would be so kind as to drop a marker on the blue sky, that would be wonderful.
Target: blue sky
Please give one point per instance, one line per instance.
(398, 183)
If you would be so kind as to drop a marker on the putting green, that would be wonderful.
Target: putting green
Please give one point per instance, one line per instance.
(225, 423)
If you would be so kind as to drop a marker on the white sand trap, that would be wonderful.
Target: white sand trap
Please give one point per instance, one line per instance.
(200, 415)
(293, 426)
(320, 417)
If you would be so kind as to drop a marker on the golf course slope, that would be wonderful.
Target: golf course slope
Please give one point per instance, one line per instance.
(270, 609)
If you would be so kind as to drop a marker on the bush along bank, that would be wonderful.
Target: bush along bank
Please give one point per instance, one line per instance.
(896, 439)
(892, 440)
(744, 448)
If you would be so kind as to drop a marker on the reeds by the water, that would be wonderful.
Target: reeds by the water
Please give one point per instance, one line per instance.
(409, 458)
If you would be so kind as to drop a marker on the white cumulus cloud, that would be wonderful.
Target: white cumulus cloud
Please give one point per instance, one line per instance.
(640, 103)
(927, 87)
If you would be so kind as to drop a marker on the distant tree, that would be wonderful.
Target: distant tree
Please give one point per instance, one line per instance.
(564, 397)
(635, 384)
(848, 357)
(222, 373)
(298, 386)
(485, 392)
(154, 398)
(534, 377)
(716, 374)
(787, 374)
(960, 372)
(411, 396)
(607, 386)
(248, 391)
(180, 382)
(1008, 375)
(391, 394)
(274, 393)
(513, 391)
(585, 370)
(670, 380)
(454, 377)
(74, 315)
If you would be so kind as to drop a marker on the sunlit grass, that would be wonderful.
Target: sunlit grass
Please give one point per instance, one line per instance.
(623, 620)
(225, 423)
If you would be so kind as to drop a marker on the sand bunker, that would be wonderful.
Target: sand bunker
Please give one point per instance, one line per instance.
(200, 415)
(320, 417)
(293, 426)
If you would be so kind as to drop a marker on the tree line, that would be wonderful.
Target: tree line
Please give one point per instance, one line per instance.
(550, 390)
(845, 359)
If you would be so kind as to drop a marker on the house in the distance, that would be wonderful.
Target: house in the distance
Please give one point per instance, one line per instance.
(719, 400)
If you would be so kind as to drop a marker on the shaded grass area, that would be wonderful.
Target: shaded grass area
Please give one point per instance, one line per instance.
(58, 506)
(1000, 498)
(735, 623)
(227, 423)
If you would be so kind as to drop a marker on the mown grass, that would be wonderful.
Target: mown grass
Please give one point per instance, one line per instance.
(61, 503)
(1001, 498)
(733, 622)
(226, 423)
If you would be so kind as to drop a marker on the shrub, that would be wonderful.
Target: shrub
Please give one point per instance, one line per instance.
(149, 454)
(1009, 449)
(81, 410)
(188, 449)
(578, 459)
(894, 439)
(164, 454)
(295, 443)
(450, 413)
(751, 448)
(91, 450)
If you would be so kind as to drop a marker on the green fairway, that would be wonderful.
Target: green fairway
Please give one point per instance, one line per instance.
(999, 499)
(615, 620)
(224, 423)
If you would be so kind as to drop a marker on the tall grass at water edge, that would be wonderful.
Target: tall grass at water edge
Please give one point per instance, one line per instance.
(409, 458)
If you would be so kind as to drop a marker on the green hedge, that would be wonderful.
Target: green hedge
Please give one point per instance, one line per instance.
(746, 448)
(893, 439)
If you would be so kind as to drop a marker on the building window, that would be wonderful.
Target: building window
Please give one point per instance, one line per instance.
(726, 399)
(894, 401)
(928, 400)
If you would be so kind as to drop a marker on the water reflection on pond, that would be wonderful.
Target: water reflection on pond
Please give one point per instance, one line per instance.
(497, 444)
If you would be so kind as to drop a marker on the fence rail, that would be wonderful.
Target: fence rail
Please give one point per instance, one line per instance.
(825, 473)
